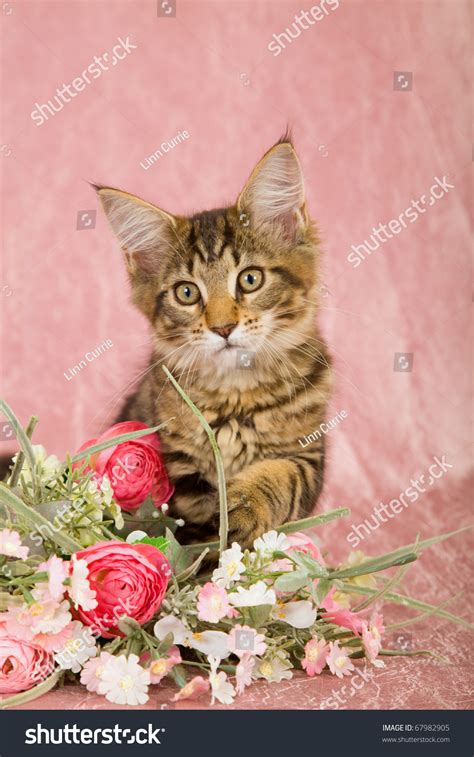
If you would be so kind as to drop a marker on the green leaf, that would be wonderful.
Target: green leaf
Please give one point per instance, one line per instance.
(314, 568)
(128, 626)
(321, 590)
(38, 521)
(178, 675)
(259, 615)
(160, 542)
(165, 644)
(315, 520)
(193, 568)
(179, 558)
(375, 565)
(293, 580)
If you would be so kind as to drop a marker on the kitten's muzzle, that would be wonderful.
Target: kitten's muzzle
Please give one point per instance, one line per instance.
(224, 331)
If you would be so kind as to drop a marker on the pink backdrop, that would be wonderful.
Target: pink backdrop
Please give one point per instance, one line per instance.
(367, 150)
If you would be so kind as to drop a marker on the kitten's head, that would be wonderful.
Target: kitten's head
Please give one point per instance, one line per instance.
(224, 281)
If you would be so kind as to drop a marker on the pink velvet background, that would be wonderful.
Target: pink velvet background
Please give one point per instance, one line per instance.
(366, 151)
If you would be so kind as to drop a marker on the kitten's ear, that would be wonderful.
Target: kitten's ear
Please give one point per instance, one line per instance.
(143, 230)
(274, 193)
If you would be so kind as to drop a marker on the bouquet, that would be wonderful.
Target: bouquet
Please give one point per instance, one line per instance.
(96, 588)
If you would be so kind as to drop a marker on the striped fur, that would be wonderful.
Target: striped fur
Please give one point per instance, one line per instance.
(258, 413)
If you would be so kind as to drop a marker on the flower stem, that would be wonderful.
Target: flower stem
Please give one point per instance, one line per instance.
(223, 515)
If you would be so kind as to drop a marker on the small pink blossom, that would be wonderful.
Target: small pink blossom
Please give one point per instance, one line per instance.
(303, 543)
(91, 673)
(54, 642)
(244, 641)
(338, 660)
(10, 544)
(58, 571)
(160, 668)
(213, 603)
(193, 689)
(340, 615)
(372, 636)
(243, 672)
(316, 652)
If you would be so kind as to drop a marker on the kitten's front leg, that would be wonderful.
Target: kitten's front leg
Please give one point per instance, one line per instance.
(271, 492)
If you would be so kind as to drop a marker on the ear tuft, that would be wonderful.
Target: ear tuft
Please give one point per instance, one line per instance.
(141, 228)
(275, 193)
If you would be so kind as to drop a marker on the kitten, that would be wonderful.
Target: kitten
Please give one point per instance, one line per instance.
(231, 298)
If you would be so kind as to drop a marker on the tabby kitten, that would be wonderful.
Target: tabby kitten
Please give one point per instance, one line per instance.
(231, 298)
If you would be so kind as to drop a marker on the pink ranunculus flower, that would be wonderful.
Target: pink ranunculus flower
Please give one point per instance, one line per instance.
(128, 579)
(22, 665)
(135, 468)
(303, 543)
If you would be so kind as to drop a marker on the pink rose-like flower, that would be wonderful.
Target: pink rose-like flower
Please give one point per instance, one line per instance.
(128, 579)
(303, 543)
(135, 468)
(22, 665)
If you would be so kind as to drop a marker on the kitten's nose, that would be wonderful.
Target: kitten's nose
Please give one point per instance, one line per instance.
(224, 331)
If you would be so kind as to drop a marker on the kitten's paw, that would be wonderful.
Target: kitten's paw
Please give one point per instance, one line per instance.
(249, 516)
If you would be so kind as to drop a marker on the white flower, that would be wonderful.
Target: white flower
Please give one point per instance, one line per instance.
(274, 670)
(47, 466)
(80, 590)
(215, 643)
(170, 624)
(124, 681)
(257, 594)
(230, 566)
(300, 614)
(78, 649)
(271, 542)
(221, 689)
(136, 536)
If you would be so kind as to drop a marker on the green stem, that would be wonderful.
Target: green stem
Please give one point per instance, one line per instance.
(21, 436)
(223, 519)
(28, 696)
(15, 474)
(401, 599)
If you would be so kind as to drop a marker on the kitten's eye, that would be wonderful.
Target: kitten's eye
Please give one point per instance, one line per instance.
(187, 293)
(250, 280)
